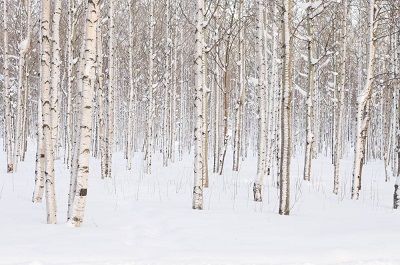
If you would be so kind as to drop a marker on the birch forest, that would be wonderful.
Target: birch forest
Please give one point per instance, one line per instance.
(137, 114)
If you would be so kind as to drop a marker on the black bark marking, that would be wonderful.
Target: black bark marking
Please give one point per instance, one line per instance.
(83, 192)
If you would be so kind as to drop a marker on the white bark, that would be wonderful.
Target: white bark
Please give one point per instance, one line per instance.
(340, 103)
(205, 111)
(167, 86)
(46, 112)
(198, 104)
(284, 183)
(363, 111)
(132, 97)
(216, 120)
(102, 102)
(310, 93)
(262, 119)
(172, 136)
(70, 81)
(151, 99)
(88, 79)
(111, 88)
(275, 89)
(55, 75)
(242, 94)
(24, 47)
(39, 170)
(396, 194)
(6, 94)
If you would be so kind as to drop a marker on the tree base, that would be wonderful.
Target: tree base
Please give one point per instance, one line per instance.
(197, 198)
(284, 212)
(257, 192)
(10, 168)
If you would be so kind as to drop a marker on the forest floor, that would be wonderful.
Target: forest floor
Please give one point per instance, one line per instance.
(137, 219)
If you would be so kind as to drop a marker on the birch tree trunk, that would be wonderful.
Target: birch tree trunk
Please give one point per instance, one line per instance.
(167, 82)
(396, 195)
(111, 81)
(205, 110)
(55, 75)
(101, 101)
(130, 136)
(340, 103)
(198, 104)
(242, 92)
(47, 113)
(363, 111)
(216, 121)
(70, 81)
(151, 99)
(88, 80)
(24, 47)
(310, 93)
(39, 170)
(276, 90)
(7, 90)
(262, 122)
(284, 182)
(40, 155)
(173, 128)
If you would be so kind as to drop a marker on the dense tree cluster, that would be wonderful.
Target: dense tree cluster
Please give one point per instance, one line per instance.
(207, 78)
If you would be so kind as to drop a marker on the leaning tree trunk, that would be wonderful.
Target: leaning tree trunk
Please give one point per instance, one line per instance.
(262, 123)
(198, 104)
(284, 182)
(88, 80)
(364, 106)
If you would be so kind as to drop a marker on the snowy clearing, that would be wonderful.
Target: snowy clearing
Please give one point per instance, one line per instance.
(139, 219)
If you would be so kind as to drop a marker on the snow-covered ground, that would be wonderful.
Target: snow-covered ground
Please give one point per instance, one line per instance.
(135, 219)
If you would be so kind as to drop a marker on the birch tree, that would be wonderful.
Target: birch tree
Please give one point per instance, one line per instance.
(132, 97)
(88, 80)
(340, 101)
(198, 104)
(55, 74)
(284, 182)
(310, 92)
(364, 104)
(151, 99)
(70, 80)
(6, 94)
(46, 111)
(147, 96)
(111, 88)
(262, 120)
(396, 194)
(22, 93)
(242, 93)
